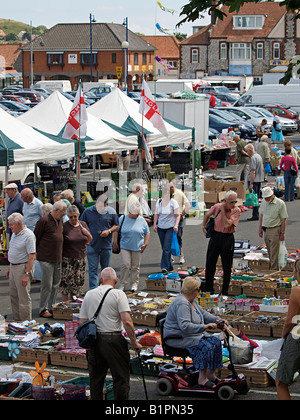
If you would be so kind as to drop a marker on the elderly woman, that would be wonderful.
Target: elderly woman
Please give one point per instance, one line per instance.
(46, 209)
(76, 237)
(186, 319)
(135, 235)
(166, 221)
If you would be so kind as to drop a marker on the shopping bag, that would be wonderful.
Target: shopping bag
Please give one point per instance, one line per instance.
(175, 249)
(282, 256)
(241, 351)
(251, 199)
(268, 169)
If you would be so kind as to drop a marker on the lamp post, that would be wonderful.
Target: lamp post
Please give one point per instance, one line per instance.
(92, 20)
(125, 46)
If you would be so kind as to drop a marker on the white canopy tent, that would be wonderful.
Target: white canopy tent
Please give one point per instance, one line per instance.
(51, 115)
(122, 112)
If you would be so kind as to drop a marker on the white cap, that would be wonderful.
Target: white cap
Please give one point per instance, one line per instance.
(11, 186)
(267, 192)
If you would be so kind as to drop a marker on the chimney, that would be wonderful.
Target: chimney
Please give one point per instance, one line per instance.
(212, 13)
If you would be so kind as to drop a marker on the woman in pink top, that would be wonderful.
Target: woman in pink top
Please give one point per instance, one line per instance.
(288, 164)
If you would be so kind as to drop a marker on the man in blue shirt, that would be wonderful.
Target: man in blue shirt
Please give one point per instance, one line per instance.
(102, 221)
(14, 204)
(32, 208)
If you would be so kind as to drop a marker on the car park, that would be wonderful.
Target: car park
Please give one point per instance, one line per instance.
(13, 113)
(14, 98)
(284, 111)
(15, 106)
(220, 124)
(247, 130)
(249, 115)
(226, 97)
(31, 95)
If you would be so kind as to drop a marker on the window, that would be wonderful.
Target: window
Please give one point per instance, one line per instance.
(259, 50)
(144, 59)
(240, 51)
(86, 58)
(136, 59)
(248, 22)
(114, 58)
(276, 51)
(223, 51)
(195, 55)
(55, 59)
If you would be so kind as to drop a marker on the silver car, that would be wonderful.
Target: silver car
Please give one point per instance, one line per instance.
(287, 124)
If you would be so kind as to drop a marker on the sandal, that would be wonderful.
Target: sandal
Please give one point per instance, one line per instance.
(46, 314)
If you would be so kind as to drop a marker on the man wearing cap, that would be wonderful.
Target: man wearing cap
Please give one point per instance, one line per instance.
(272, 224)
(14, 204)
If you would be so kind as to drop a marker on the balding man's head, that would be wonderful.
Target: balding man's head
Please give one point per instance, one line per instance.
(108, 276)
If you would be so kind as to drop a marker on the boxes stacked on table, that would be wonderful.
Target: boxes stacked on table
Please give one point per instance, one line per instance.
(215, 190)
(260, 323)
(65, 310)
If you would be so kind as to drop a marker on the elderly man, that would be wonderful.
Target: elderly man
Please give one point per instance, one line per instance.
(102, 221)
(227, 216)
(255, 176)
(111, 350)
(184, 206)
(49, 243)
(242, 158)
(31, 209)
(21, 255)
(15, 203)
(272, 224)
(136, 194)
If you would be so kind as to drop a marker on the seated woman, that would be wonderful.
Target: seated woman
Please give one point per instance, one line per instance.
(185, 318)
(289, 362)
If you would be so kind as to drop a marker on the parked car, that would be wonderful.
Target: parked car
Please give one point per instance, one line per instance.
(226, 97)
(284, 111)
(247, 130)
(33, 96)
(249, 115)
(13, 113)
(220, 124)
(101, 91)
(287, 125)
(15, 106)
(14, 98)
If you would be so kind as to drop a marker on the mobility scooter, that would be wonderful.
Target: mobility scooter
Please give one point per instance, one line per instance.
(173, 378)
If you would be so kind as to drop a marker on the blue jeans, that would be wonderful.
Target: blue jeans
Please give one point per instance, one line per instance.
(165, 237)
(289, 185)
(94, 256)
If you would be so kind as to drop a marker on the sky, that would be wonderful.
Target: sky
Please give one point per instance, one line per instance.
(142, 15)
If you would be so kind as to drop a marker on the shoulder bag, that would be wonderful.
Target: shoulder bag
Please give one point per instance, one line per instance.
(86, 333)
(117, 251)
(210, 225)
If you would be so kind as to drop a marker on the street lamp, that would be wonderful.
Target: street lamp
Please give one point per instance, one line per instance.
(92, 20)
(125, 46)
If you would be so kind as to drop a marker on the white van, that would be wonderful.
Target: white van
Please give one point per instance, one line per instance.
(60, 85)
(272, 94)
(18, 172)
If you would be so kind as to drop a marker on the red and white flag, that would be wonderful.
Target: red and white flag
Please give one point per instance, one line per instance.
(150, 110)
(77, 118)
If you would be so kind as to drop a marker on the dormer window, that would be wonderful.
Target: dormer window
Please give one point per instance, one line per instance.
(248, 22)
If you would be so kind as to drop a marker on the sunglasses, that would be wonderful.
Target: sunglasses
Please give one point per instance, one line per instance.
(231, 202)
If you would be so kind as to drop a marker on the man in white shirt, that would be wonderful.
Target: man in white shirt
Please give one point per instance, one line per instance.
(110, 350)
(21, 256)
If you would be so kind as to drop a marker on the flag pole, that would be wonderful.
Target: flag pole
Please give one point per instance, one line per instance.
(140, 147)
(78, 188)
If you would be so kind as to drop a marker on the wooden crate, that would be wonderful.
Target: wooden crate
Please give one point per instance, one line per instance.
(64, 311)
(139, 318)
(250, 328)
(156, 284)
(259, 288)
(75, 360)
(255, 377)
(33, 355)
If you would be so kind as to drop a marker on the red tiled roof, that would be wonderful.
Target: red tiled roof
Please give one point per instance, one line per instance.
(201, 37)
(167, 46)
(10, 52)
(224, 28)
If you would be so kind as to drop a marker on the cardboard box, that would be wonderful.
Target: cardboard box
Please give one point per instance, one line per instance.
(211, 197)
(213, 185)
(236, 186)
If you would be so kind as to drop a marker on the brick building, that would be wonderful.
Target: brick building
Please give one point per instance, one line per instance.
(64, 52)
(249, 43)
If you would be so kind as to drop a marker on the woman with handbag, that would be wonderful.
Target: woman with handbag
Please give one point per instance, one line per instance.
(166, 220)
(133, 240)
(289, 166)
(277, 130)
